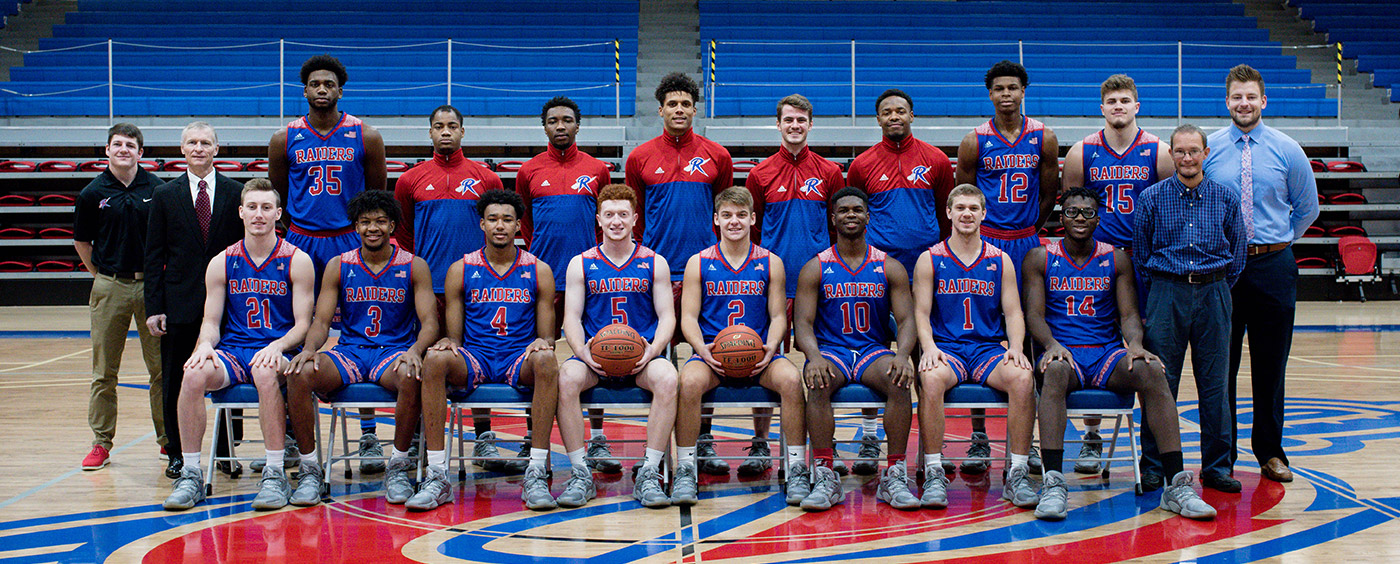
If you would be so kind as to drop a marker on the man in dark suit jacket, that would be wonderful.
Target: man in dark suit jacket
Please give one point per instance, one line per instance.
(192, 218)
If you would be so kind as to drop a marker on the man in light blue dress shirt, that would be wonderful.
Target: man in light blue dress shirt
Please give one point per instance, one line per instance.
(1279, 197)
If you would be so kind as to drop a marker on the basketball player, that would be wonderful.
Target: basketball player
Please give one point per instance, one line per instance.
(385, 296)
(438, 198)
(1015, 159)
(320, 161)
(1117, 163)
(675, 176)
(736, 282)
(500, 329)
(618, 281)
(560, 190)
(1082, 303)
(965, 307)
(844, 297)
(257, 306)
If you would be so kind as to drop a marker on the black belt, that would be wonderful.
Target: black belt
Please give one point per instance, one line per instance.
(124, 275)
(1192, 278)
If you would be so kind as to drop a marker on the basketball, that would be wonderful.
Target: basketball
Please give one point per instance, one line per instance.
(617, 348)
(737, 348)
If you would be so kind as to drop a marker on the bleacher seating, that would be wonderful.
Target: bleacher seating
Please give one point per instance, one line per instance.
(1366, 30)
(939, 51)
(174, 71)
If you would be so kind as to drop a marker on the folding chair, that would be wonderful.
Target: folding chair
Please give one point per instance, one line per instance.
(1105, 404)
(975, 396)
(1358, 262)
(351, 398)
(225, 401)
(633, 397)
(858, 397)
(489, 396)
(747, 398)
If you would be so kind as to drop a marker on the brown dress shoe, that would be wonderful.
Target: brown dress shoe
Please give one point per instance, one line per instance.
(1277, 471)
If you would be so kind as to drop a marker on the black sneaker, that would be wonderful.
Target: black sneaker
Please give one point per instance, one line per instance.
(1221, 482)
(756, 466)
(1152, 481)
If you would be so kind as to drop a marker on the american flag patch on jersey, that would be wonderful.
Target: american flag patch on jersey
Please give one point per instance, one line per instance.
(525, 275)
(400, 274)
(1145, 153)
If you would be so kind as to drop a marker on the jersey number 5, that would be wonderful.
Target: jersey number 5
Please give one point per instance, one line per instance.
(619, 314)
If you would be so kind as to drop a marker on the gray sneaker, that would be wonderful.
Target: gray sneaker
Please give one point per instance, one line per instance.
(485, 447)
(648, 488)
(600, 457)
(370, 449)
(1092, 449)
(534, 490)
(894, 489)
(839, 467)
(869, 449)
(935, 489)
(799, 483)
(1054, 498)
(517, 465)
(980, 447)
(578, 490)
(188, 490)
(311, 485)
(1018, 489)
(755, 466)
(826, 490)
(1033, 462)
(684, 491)
(291, 457)
(434, 491)
(707, 460)
(1179, 497)
(397, 487)
(273, 491)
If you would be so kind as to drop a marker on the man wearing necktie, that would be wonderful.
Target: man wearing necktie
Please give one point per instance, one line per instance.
(1278, 196)
(192, 218)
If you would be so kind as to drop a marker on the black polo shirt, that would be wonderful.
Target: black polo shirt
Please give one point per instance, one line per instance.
(113, 218)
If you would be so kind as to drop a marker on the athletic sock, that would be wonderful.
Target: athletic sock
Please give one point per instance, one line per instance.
(796, 455)
(192, 459)
(932, 461)
(685, 455)
(480, 426)
(366, 425)
(398, 454)
(653, 458)
(539, 457)
(575, 459)
(275, 458)
(1021, 460)
(1091, 429)
(595, 433)
(308, 458)
(1052, 459)
(822, 456)
(870, 425)
(438, 459)
(1171, 463)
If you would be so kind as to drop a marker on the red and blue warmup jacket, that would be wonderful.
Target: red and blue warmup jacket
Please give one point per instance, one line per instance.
(440, 222)
(560, 189)
(676, 179)
(908, 183)
(789, 194)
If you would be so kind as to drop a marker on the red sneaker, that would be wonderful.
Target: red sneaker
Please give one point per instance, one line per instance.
(97, 459)
(164, 455)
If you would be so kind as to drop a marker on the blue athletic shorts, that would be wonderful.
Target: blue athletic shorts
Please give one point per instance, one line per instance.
(358, 363)
(1093, 364)
(323, 249)
(851, 362)
(1016, 249)
(737, 382)
(483, 367)
(973, 362)
(238, 361)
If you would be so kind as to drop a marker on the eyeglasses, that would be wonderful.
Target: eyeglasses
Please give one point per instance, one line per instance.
(1193, 153)
(1086, 213)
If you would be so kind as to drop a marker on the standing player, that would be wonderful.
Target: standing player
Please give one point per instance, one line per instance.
(618, 281)
(965, 308)
(1079, 292)
(257, 306)
(736, 282)
(675, 177)
(1117, 163)
(1016, 159)
(560, 191)
(438, 198)
(321, 161)
(387, 322)
(855, 288)
(500, 329)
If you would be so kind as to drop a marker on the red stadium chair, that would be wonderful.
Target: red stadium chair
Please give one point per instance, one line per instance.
(509, 166)
(16, 233)
(175, 166)
(16, 200)
(1346, 230)
(80, 267)
(57, 200)
(1057, 231)
(228, 166)
(1346, 166)
(1346, 198)
(150, 166)
(16, 266)
(1315, 231)
(744, 166)
(57, 166)
(16, 166)
(54, 266)
(56, 233)
(258, 165)
(395, 166)
(1358, 262)
(93, 166)
(1321, 199)
(1313, 262)
(1318, 165)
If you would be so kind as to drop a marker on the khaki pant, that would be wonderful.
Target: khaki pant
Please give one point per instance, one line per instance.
(114, 303)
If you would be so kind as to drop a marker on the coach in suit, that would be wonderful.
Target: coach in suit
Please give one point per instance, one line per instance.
(192, 218)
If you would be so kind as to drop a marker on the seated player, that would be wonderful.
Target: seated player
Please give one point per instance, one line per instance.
(257, 306)
(736, 282)
(619, 281)
(500, 325)
(971, 330)
(854, 287)
(388, 319)
(1082, 302)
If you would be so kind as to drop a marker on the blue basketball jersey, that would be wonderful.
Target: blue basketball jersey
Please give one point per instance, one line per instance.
(499, 309)
(1080, 304)
(1009, 175)
(377, 309)
(1119, 179)
(619, 293)
(853, 309)
(734, 296)
(258, 308)
(324, 172)
(967, 297)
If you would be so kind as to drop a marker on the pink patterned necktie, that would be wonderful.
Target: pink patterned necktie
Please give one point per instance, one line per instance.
(1247, 188)
(202, 211)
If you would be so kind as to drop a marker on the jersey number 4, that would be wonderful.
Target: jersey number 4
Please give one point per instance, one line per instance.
(325, 179)
(498, 322)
